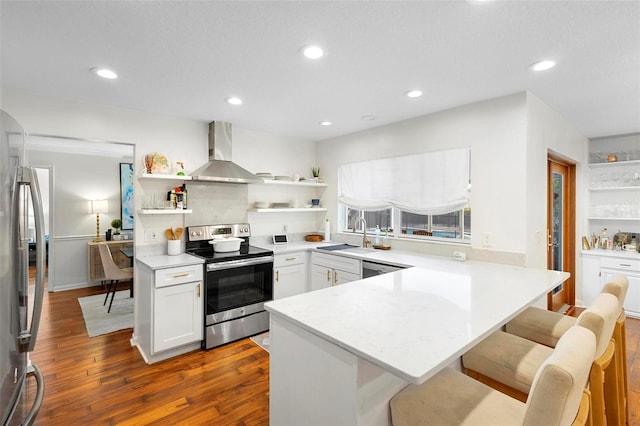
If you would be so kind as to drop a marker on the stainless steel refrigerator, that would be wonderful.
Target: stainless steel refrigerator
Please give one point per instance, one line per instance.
(19, 308)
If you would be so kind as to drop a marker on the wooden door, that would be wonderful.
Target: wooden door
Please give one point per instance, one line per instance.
(561, 231)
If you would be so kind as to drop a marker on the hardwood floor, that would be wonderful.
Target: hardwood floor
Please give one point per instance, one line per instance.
(104, 381)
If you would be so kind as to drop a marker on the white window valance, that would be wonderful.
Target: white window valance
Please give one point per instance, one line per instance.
(427, 183)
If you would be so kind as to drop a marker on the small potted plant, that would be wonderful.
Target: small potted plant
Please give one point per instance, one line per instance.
(117, 224)
(315, 171)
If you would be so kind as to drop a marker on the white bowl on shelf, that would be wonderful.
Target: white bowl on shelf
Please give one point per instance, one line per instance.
(262, 205)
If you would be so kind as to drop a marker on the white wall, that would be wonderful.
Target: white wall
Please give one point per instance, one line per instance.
(281, 156)
(496, 132)
(78, 178)
(180, 140)
(548, 132)
(509, 139)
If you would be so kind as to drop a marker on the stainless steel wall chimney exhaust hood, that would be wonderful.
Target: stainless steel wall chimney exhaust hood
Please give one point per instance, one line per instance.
(220, 168)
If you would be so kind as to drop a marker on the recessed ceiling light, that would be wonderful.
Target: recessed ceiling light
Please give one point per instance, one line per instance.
(414, 93)
(234, 101)
(104, 73)
(542, 65)
(368, 118)
(312, 51)
(326, 123)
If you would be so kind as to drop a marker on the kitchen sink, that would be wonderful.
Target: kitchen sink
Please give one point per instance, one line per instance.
(338, 247)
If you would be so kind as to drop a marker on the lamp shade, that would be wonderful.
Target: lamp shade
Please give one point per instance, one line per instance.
(99, 206)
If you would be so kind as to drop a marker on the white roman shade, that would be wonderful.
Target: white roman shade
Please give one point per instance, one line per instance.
(427, 183)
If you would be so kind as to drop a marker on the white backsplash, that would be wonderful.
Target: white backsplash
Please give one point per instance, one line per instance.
(216, 203)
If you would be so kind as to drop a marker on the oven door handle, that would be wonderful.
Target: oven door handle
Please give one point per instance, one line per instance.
(238, 263)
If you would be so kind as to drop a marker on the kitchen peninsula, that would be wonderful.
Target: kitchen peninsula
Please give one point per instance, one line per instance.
(339, 354)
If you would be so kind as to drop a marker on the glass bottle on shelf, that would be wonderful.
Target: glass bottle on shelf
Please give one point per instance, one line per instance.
(604, 239)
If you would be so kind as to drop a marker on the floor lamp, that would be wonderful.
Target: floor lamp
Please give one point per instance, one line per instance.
(97, 207)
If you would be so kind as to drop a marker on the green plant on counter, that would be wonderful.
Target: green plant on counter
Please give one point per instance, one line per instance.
(315, 171)
(116, 223)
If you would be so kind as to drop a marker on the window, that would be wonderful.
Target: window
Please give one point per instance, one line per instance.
(381, 218)
(455, 225)
(424, 195)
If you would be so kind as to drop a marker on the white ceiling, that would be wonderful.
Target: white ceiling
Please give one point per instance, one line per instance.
(183, 58)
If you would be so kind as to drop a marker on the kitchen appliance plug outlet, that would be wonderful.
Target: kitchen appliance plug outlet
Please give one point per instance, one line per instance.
(486, 239)
(151, 235)
(459, 256)
(284, 228)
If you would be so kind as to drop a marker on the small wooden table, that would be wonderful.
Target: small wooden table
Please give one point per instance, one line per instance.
(123, 260)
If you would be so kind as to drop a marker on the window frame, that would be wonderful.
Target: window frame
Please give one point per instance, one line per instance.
(396, 222)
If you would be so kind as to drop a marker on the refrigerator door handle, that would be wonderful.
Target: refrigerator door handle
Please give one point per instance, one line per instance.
(27, 177)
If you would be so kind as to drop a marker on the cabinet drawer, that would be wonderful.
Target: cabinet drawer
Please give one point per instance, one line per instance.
(618, 263)
(337, 262)
(296, 258)
(179, 275)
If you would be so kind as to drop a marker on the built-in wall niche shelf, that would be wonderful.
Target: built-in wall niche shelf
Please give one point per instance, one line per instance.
(614, 164)
(152, 176)
(165, 211)
(292, 183)
(290, 210)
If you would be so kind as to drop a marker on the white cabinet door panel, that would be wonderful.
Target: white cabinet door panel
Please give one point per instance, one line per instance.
(289, 281)
(321, 277)
(177, 315)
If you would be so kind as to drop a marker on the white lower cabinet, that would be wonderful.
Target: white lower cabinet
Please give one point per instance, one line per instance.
(598, 270)
(331, 269)
(171, 311)
(177, 315)
(289, 274)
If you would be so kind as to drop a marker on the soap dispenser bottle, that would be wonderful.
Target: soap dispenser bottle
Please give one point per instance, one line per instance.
(377, 241)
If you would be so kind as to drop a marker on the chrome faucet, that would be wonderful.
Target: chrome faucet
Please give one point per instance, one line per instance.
(365, 242)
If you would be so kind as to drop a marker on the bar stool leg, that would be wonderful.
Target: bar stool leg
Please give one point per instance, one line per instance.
(620, 336)
(614, 408)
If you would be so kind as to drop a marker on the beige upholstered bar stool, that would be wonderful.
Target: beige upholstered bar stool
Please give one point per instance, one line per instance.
(452, 398)
(546, 327)
(510, 362)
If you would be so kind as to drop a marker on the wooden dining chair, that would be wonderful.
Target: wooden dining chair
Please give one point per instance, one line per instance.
(112, 273)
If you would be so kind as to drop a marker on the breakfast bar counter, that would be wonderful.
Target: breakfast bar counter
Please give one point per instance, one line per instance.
(339, 354)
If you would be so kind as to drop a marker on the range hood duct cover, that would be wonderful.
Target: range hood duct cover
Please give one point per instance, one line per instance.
(220, 168)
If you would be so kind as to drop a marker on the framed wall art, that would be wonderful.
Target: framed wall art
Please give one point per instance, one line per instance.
(126, 195)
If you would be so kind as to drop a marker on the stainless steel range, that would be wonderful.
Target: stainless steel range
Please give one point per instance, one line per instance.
(237, 284)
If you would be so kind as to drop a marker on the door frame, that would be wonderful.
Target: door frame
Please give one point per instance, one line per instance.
(569, 237)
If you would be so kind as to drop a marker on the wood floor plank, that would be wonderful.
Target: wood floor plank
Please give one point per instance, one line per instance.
(104, 380)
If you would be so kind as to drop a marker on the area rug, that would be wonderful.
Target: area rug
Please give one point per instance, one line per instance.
(96, 318)
(263, 340)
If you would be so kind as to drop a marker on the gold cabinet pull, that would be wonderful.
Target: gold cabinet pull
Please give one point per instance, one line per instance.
(277, 276)
(198, 289)
(184, 274)
(335, 277)
(290, 258)
(328, 275)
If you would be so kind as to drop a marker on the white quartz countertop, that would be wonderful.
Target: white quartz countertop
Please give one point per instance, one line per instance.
(626, 254)
(165, 261)
(415, 321)
(292, 246)
(389, 257)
